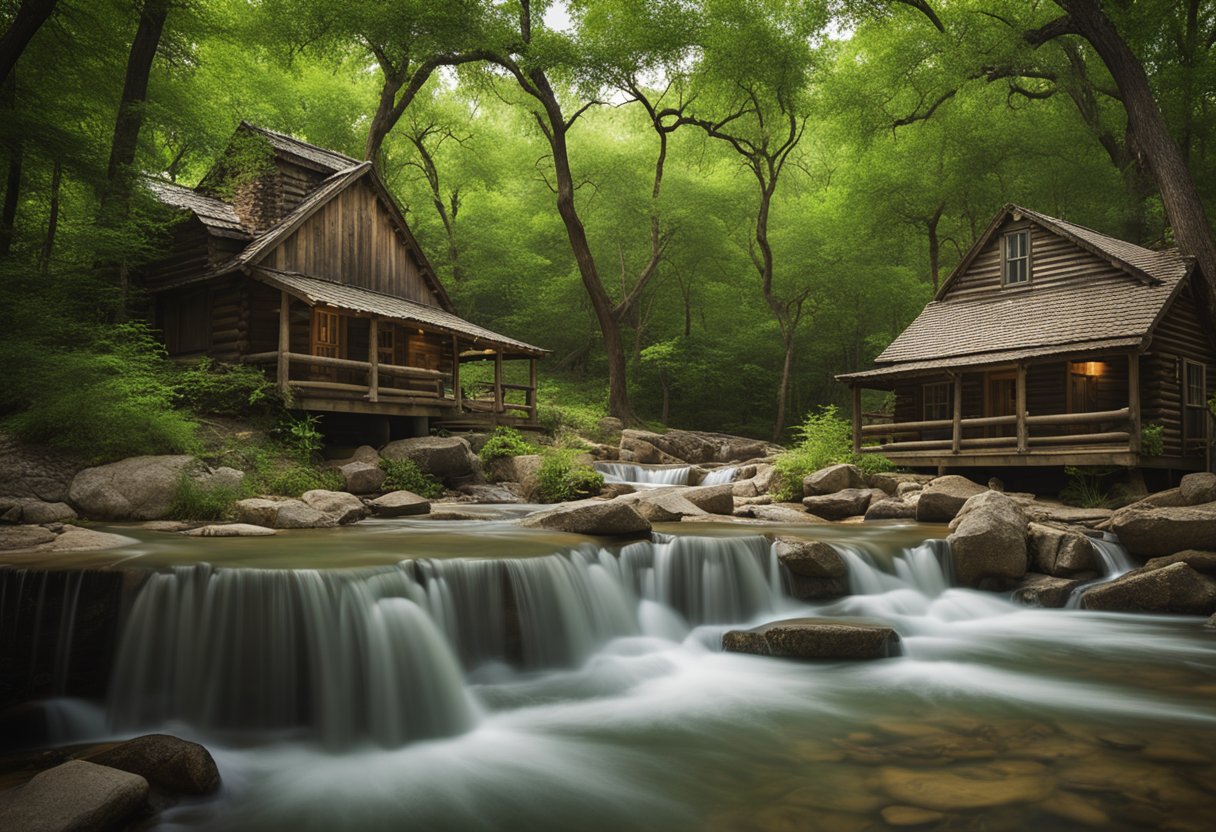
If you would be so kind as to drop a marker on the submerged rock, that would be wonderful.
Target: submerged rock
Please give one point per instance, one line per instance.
(815, 638)
(230, 530)
(832, 479)
(1176, 588)
(399, 504)
(988, 542)
(596, 518)
(910, 816)
(974, 787)
(168, 763)
(941, 499)
(1152, 532)
(138, 488)
(78, 796)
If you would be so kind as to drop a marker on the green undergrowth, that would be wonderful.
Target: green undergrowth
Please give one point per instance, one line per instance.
(824, 438)
(563, 477)
(505, 442)
(405, 475)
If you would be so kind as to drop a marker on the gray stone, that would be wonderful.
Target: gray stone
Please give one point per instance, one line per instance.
(782, 513)
(906, 488)
(943, 498)
(523, 469)
(24, 537)
(1060, 553)
(34, 473)
(34, 511)
(76, 539)
(138, 488)
(448, 458)
(343, 507)
(168, 763)
(1039, 511)
(1038, 590)
(715, 499)
(1197, 489)
(890, 481)
(891, 509)
(744, 488)
(815, 570)
(815, 638)
(988, 542)
(281, 514)
(230, 530)
(1176, 588)
(1170, 498)
(362, 477)
(1152, 532)
(76, 796)
(849, 502)
(1200, 561)
(222, 477)
(695, 447)
(364, 453)
(832, 479)
(663, 505)
(399, 504)
(490, 494)
(597, 518)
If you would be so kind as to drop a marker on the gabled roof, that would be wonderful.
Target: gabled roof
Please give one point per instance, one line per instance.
(216, 215)
(314, 290)
(1015, 323)
(330, 161)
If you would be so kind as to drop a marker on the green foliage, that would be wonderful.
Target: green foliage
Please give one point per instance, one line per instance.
(219, 389)
(1085, 487)
(405, 475)
(824, 439)
(561, 477)
(292, 480)
(1152, 439)
(504, 442)
(872, 463)
(300, 434)
(195, 501)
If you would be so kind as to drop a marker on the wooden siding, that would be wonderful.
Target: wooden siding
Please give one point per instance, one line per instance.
(1053, 260)
(191, 256)
(1179, 335)
(353, 240)
(295, 183)
(209, 320)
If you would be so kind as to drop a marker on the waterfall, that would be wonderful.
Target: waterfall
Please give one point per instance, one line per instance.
(720, 476)
(922, 568)
(642, 474)
(1115, 561)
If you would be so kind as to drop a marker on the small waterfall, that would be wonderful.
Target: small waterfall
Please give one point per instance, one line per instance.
(922, 568)
(1115, 560)
(720, 476)
(625, 472)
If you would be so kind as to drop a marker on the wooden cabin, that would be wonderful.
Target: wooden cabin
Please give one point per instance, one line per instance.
(1050, 345)
(296, 258)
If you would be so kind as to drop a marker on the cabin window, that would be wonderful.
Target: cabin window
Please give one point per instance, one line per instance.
(1016, 257)
(326, 334)
(386, 343)
(938, 401)
(1195, 402)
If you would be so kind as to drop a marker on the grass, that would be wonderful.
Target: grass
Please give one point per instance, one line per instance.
(405, 475)
(562, 477)
(824, 439)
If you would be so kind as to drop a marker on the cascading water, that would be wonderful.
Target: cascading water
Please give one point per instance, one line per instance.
(1115, 561)
(624, 472)
(720, 476)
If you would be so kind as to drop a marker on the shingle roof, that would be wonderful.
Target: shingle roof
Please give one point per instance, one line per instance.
(215, 214)
(990, 358)
(331, 160)
(314, 290)
(1157, 265)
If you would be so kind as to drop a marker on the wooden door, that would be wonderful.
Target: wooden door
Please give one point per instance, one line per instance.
(1002, 400)
(326, 341)
(1194, 407)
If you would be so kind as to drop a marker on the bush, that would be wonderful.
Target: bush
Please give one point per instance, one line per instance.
(227, 390)
(1085, 488)
(294, 480)
(301, 435)
(824, 439)
(1152, 439)
(195, 501)
(505, 442)
(405, 475)
(563, 478)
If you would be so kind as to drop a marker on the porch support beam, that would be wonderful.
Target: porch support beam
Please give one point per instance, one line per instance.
(532, 398)
(498, 408)
(284, 362)
(1133, 399)
(1023, 433)
(456, 394)
(856, 418)
(373, 358)
(956, 444)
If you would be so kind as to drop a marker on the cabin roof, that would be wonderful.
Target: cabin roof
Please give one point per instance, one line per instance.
(1030, 321)
(317, 291)
(215, 214)
(314, 156)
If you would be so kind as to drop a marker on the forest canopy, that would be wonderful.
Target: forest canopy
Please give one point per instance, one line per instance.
(706, 209)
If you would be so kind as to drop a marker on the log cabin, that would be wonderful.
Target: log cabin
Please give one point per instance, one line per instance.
(296, 258)
(1050, 345)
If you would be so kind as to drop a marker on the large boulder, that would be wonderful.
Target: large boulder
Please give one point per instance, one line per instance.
(815, 638)
(662, 505)
(832, 479)
(1176, 588)
(988, 542)
(893, 481)
(523, 469)
(1152, 532)
(1198, 560)
(815, 569)
(687, 446)
(138, 488)
(596, 518)
(1059, 552)
(282, 514)
(1197, 489)
(344, 507)
(850, 502)
(76, 796)
(714, 499)
(891, 509)
(943, 497)
(32, 510)
(448, 458)
(34, 473)
(1037, 590)
(76, 539)
(362, 477)
(399, 504)
(168, 763)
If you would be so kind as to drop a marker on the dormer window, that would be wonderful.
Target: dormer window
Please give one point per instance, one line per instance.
(1015, 259)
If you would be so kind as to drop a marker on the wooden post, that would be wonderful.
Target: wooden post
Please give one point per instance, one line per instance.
(957, 436)
(1133, 400)
(532, 389)
(284, 341)
(856, 418)
(373, 357)
(457, 396)
(498, 408)
(1023, 434)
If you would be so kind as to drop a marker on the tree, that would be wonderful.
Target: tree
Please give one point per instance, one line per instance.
(30, 16)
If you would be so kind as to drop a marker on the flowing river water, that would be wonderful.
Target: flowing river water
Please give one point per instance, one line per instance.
(419, 674)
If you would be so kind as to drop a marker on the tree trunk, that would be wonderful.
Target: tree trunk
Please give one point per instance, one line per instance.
(30, 17)
(52, 221)
(783, 389)
(12, 197)
(935, 245)
(666, 397)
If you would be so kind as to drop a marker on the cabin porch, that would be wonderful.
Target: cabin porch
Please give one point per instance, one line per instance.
(1083, 410)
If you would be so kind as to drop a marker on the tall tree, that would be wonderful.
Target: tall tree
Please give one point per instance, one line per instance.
(30, 16)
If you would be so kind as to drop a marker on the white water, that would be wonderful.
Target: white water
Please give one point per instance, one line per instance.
(624, 472)
(720, 476)
(1115, 561)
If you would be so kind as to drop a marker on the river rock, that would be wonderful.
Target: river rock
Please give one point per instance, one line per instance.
(224, 476)
(344, 507)
(847, 503)
(784, 513)
(523, 469)
(942, 498)
(1037, 590)
(76, 539)
(1176, 588)
(34, 511)
(362, 477)
(1000, 783)
(1200, 561)
(24, 537)
(138, 488)
(491, 494)
(744, 488)
(988, 541)
(230, 530)
(30, 472)
(832, 479)
(399, 504)
(1153, 532)
(910, 816)
(1170, 498)
(663, 505)
(1060, 553)
(815, 638)
(892, 481)
(596, 518)
(76, 796)
(815, 569)
(685, 446)
(1197, 489)
(284, 513)
(168, 763)
(891, 509)
(715, 499)
(447, 457)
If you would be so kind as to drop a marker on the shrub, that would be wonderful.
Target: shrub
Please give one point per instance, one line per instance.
(195, 501)
(824, 439)
(300, 435)
(226, 390)
(294, 480)
(1085, 487)
(505, 442)
(562, 477)
(405, 475)
(1152, 439)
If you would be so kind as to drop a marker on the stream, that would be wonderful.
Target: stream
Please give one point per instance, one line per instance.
(455, 675)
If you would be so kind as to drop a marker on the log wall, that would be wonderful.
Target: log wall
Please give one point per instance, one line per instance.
(1179, 335)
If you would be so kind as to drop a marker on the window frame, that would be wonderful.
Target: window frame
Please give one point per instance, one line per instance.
(1006, 260)
(947, 403)
(1189, 406)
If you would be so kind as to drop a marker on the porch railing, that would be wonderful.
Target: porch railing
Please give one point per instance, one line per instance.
(1022, 440)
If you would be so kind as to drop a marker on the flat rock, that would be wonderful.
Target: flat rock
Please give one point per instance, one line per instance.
(1197, 489)
(230, 530)
(892, 481)
(1037, 590)
(138, 488)
(362, 477)
(891, 509)
(281, 514)
(1153, 532)
(343, 507)
(76, 796)
(1041, 512)
(714, 499)
(910, 816)
(76, 539)
(33, 511)
(942, 498)
(399, 504)
(832, 479)
(1176, 588)
(785, 513)
(596, 518)
(815, 638)
(1200, 561)
(168, 763)
(490, 494)
(24, 537)
(974, 787)
(1061, 553)
(686, 446)
(988, 542)
(663, 505)
(837, 506)
(450, 458)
